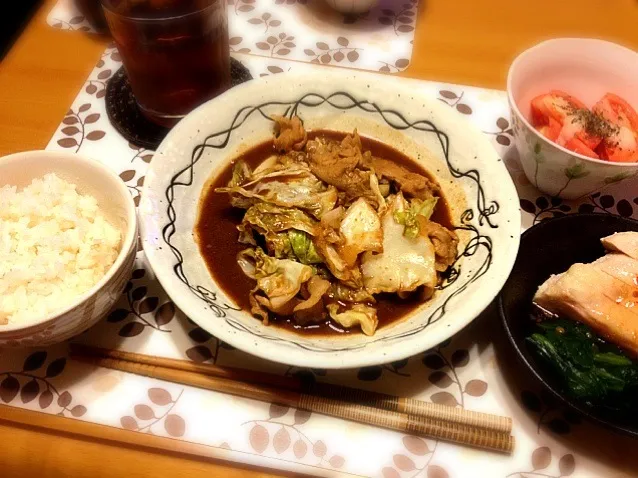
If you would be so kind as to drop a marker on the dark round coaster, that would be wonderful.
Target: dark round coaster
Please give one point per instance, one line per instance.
(125, 114)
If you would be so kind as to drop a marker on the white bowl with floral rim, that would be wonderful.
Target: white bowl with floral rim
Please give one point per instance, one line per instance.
(115, 203)
(484, 207)
(587, 69)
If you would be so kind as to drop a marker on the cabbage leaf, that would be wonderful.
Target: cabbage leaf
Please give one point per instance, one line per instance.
(361, 231)
(267, 218)
(360, 314)
(293, 187)
(278, 279)
(344, 293)
(278, 245)
(408, 217)
(405, 263)
(311, 310)
(241, 173)
(303, 247)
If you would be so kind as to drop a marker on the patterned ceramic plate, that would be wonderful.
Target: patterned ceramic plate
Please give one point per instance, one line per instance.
(483, 201)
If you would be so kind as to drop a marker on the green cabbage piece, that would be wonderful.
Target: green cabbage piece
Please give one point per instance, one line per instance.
(279, 246)
(303, 247)
(279, 279)
(359, 314)
(344, 293)
(264, 264)
(241, 174)
(408, 217)
(268, 219)
(292, 188)
(287, 231)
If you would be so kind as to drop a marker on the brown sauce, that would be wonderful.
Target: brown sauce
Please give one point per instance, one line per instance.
(217, 236)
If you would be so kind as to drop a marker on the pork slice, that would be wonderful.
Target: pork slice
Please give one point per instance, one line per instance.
(445, 242)
(602, 295)
(412, 184)
(290, 134)
(625, 242)
(337, 164)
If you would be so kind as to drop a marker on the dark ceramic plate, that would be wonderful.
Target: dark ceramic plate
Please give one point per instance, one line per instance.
(549, 248)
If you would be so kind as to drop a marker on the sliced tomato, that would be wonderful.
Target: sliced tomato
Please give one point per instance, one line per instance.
(617, 155)
(622, 147)
(551, 130)
(615, 109)
(555, 104)
(577, 146)
(572, 127)
(554, 116)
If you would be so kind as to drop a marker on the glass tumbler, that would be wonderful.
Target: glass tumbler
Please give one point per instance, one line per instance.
(175, 53)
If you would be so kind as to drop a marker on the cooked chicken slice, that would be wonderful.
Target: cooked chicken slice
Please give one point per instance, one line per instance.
(412, 184)
(618, 266)
(405, 263)
(625, 242)
(312, 314)
(445, 242)
(290, 134)
(351, 144)
(602, 295)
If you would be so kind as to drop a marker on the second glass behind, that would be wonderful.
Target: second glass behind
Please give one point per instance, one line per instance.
(175, 53)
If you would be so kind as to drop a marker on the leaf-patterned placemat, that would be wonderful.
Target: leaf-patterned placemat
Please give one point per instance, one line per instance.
(305, 30)
(476, 369)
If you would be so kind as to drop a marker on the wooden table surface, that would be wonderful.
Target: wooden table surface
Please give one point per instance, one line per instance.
(462, 41)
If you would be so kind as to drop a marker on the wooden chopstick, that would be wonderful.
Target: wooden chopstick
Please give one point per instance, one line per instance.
(430, 427)
(105, 435)
(409, 406)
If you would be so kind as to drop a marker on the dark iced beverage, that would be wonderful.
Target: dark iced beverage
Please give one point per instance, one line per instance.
(175, 52)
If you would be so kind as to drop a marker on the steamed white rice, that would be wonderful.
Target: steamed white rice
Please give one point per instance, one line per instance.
(54, 246)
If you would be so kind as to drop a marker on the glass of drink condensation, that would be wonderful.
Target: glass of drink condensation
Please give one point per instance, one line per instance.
(175, 53)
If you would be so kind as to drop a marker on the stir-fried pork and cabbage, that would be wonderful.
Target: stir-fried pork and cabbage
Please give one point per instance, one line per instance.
(328, 226)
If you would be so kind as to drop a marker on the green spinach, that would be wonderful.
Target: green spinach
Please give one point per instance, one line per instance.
(592, 370)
